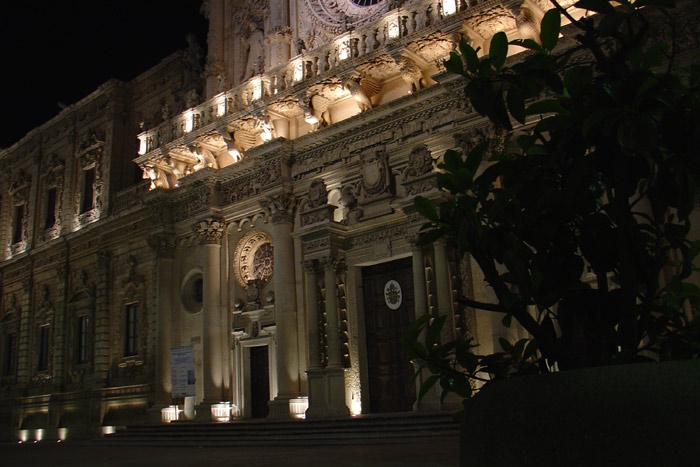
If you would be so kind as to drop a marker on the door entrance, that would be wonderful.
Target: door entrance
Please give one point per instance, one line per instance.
(259, 382)
(388, 301)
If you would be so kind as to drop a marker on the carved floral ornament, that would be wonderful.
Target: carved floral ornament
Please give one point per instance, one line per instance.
(280, 207)
(19, 188)
(318, 194)
(209, 231)
(420, 162)
(253, 259)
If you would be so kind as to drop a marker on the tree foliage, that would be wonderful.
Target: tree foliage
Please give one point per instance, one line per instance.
(578, 213)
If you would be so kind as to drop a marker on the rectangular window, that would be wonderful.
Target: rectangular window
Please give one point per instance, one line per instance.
(50, 208)
(18, 224)
(88, 200)
(10, 350)
(82, 342)
(132, 330)
(43, 363)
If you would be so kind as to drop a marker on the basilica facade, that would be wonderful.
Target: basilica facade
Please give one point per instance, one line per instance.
(251, 205)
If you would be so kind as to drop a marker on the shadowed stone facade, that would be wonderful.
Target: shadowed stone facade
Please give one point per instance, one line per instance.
(239, 204)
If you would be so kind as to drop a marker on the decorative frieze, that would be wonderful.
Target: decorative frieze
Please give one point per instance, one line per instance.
(162, 244)
(280, 207)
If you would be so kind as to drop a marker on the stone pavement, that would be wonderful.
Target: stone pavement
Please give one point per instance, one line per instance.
(441, 453)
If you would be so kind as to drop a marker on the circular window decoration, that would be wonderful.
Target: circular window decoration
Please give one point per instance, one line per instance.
(253, 258)
(192, 295)
(393, 295)
(365, 2)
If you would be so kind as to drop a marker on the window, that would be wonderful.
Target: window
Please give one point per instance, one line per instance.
(18, 224)
(10, 350)
(43, 363)
(131, 330)
(88, 200)
(50, 208)
(82, 341)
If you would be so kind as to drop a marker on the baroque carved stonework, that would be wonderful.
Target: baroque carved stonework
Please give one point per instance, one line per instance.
(253, 259)
(375, 173)
(162, 244)
(209, 231)
(419, 162)
(280, 207)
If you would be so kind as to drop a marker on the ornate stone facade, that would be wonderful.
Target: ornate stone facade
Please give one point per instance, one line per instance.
(276, 172)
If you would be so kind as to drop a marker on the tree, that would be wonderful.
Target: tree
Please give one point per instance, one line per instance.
(595, 168)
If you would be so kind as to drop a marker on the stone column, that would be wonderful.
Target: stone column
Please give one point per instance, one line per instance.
(327, 385)
(444, 290)
(332, 328)
(281, 208)
(164, 248)
(312, 315)
(210, 232)
(431, 400)
(214, 69)
(279, 36)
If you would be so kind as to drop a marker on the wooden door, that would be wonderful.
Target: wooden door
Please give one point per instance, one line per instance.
(259, 382)
(389, 369)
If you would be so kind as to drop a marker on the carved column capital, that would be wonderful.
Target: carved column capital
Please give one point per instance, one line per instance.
(209, 231)
(162, 244)
(280, 207)
(328, 262)
(310, 265)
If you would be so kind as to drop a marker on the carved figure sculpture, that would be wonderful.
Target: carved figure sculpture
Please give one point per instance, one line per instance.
(411, 74)
(362, 90)
(256, 52)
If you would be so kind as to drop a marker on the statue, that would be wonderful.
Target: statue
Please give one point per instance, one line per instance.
(256, 52)
(192, 56)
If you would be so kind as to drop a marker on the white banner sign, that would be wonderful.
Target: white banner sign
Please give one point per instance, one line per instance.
(182, 371)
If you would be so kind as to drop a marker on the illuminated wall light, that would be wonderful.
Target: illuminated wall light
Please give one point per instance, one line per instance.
(39, 434)
(108, 430)
(298, 73)
(449, 7)
(170, 414)
(344, 51)
(62, 434)
(221, 107)
(189, 121)
(221, 412)
(393, 31)
(257, 89)
(23, 435)
(142, 145)
(235, 155)
(355, 407)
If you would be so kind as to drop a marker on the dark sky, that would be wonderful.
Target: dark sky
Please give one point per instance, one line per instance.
(62, 50)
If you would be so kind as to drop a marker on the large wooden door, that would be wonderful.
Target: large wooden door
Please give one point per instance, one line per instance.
(389, 369)
(259, 382)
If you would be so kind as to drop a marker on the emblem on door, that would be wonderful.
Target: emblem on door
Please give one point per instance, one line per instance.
(393, 297)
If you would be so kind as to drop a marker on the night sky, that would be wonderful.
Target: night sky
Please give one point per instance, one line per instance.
(62, 50)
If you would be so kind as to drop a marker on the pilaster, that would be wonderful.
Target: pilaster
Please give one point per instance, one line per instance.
(209, 233)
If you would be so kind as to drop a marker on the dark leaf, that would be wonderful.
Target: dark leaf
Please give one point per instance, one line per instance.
(549, 29)
(498, 50)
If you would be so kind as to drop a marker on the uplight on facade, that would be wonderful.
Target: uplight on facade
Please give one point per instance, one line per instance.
(449, 7)
(257, 89)
(221, 107)
(142, 145)
(189, 121)
(393, 30)
(343, 51)
(298, 71)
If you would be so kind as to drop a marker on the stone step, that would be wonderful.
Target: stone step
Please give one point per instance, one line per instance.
(368, 429)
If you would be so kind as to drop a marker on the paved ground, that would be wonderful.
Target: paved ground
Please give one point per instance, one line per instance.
(429, 454)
